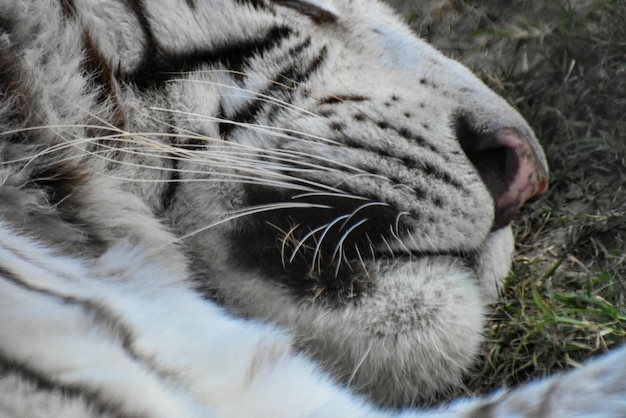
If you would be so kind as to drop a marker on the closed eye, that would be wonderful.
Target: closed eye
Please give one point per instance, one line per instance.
(316, 13)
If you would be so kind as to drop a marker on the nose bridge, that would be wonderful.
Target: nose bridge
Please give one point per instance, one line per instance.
(488, 113)
(449, 100)
(483, 110)
(463, 94)
(494, 136)
(504, 150)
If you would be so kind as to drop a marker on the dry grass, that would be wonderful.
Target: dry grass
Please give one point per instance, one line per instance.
(563, 65)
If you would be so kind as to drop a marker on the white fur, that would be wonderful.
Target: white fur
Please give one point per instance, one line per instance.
(207, 364)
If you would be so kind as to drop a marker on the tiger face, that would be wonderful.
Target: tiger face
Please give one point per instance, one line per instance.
(324, 169)
(359, 192)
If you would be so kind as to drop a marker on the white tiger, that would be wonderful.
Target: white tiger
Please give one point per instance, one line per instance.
(197, 197)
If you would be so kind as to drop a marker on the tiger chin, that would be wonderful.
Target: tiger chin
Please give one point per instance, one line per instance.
(198, 197)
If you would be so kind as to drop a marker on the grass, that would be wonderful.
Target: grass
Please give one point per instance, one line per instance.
(563, 65)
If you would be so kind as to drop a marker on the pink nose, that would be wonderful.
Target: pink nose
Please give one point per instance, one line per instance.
(525, 176)
(509, 168)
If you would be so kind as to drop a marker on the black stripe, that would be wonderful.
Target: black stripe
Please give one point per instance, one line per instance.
(108, 320)
(416, 139)
(91, 397)
(411, 163)
(404, 132)
(138, 7)
(297, 74)
(317, 14)
(8, 275)
(44, 383)
(172, 186)
(289, 79)
(158, 66)
(418, 191)
(224, 128)
(152, 51)
(257, 4)
(341, 98)
(113, 324)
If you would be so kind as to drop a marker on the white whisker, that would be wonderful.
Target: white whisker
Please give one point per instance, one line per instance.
(284, 245)
(364, 206)
(217, 177)
(325, 194)
(412, 238)
(397, 238)
(371, 245)
(365, 269)
(246, 212)
(397, 222)
(339, 246)
(360, 363)
(316, 252)
(272, 130)
(256, 94)
(252, 172)
(303, 240)
(330, 161)
(386, 244)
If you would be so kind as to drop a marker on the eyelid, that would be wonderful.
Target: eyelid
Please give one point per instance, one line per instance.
(317, 14)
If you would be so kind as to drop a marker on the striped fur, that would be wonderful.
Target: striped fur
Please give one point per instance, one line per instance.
(253, 208)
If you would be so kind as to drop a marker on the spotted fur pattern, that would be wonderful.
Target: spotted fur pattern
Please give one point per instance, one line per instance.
(254, 208)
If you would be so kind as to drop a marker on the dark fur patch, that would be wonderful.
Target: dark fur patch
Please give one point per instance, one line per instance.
(68, 9)
(318, 269)
(57, 219)
(59, 181)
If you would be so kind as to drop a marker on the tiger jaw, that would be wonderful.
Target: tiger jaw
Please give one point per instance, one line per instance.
(379, 334)
(488, 265)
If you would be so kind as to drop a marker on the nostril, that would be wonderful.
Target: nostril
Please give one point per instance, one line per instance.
(507, 165)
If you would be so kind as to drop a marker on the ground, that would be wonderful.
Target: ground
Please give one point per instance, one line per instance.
(563, 65)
